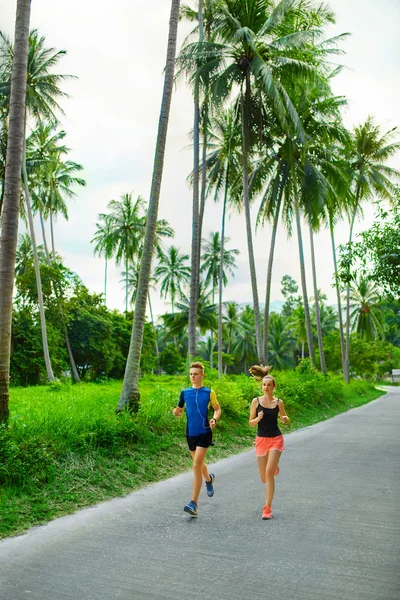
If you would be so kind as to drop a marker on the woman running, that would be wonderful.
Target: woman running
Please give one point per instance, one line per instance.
(269, 440)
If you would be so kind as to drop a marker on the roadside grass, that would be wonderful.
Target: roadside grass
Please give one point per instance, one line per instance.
(65, 448)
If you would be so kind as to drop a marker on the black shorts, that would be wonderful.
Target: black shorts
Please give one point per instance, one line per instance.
(204, 440)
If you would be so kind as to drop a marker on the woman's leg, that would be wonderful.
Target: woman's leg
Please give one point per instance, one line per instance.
(198, 470)
(272, 462)
(262, 467)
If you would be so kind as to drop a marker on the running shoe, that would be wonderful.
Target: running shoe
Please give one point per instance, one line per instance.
(266, 513)
(210, 485)
(191, 508)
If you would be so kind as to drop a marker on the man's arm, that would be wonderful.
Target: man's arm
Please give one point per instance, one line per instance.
(178, 410)
(216, 407)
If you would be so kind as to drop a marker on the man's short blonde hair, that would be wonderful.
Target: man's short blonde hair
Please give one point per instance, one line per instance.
(197, 365)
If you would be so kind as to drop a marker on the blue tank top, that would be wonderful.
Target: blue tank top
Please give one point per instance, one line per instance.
(197, 402)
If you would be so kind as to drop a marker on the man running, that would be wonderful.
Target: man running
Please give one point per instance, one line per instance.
(197, 399)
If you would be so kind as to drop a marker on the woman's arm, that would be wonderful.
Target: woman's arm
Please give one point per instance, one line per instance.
(282, 412)
(254, 419)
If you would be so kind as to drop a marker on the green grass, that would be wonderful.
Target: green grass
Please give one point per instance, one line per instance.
(65, 447)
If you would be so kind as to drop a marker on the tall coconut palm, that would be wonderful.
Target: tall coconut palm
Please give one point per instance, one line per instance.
(251, 50)
(204, 17)
(212, 266)
(127, 227)
(12, 182)
(366, 313)
(130, 393)
(103, 244)
(44, 147)
(42, 94)
(60, 179)
(51, 180)
(172, 273)
(367, 155)
(206, 317)
(232, 324)
(297, 323)
(282, 343)
(223, 163)
(213, 269)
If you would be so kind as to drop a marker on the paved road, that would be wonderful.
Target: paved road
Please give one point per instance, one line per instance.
(335, 532)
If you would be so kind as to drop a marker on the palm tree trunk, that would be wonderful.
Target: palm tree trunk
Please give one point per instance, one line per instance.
(155, 334)
(221, 275)
(126, 280)
(316, 300)
(46, 353)
(269, 281)
(196, 240)
(74, 370)
(12, 188)
(304, 287)
(347, 349)
(46, 248)
(203, 178)
(58, 295)
(212, 335)
(105, 283)
(342, 349)
(245, 133)
(130, 392)
(53, 246)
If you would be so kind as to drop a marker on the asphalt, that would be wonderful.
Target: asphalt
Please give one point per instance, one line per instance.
(335, 533)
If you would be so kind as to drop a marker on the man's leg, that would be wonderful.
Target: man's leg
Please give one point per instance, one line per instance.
(204, 469)
(199, 470)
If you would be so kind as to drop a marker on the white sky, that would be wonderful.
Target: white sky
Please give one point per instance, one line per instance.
(118, 52)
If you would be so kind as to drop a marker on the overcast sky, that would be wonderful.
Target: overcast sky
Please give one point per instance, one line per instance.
(117, 50)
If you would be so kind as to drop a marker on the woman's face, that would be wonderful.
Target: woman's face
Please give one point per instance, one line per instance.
(268, 385)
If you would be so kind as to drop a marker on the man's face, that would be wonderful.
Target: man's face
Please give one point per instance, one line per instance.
(196, 376)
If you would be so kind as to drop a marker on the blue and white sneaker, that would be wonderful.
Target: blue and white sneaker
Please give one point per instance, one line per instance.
(210, 485)
(191, 508)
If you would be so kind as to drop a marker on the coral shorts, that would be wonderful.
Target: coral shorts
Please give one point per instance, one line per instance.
(265, 444)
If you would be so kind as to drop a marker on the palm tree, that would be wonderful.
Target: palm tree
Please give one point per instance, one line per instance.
(24, 255)
(212, 266)
(281, 343)
(214, 269)
(244, 347)
(126, 232)
(60, 180)
(43, 150)
(223, 163)
(232, 324)
(206, 317)
(12, 182)
(256, 45)
(103, 242)
(366, 311)
(172, 273)
(42, 94)
(297, 323)
(130, 393)
(367, 156)
(133, 279)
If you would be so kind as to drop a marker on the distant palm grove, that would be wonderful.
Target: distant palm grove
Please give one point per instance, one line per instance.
(268, 135)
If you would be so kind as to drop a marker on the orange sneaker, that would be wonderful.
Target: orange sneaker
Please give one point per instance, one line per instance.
(276, 471)
(266, 513)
